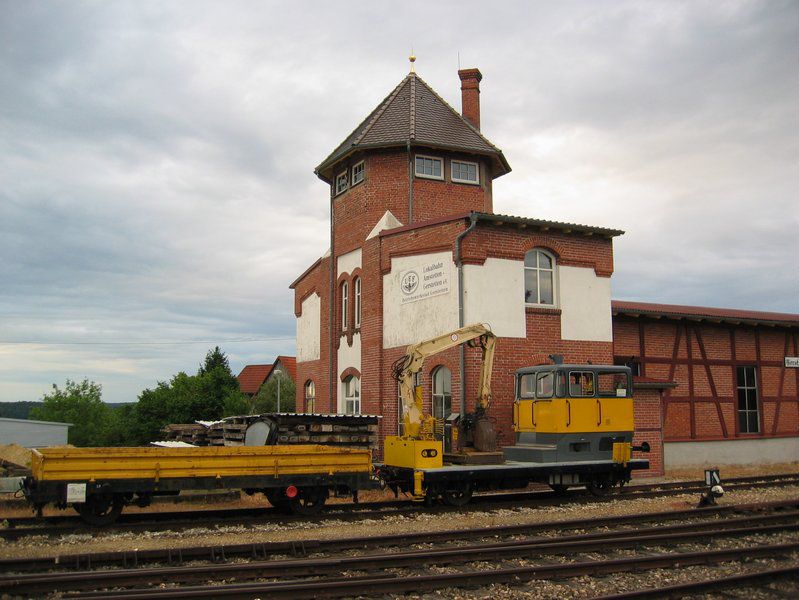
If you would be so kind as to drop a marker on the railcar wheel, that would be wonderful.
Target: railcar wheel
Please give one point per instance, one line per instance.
(100, 509)
(277, 498)
(600, 487)
(559, 488)
(457, 497)
(308, 501)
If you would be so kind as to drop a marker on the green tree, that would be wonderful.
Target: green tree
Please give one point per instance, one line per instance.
(266, 398)
(209, 395)
(80, 404)
(217, 387)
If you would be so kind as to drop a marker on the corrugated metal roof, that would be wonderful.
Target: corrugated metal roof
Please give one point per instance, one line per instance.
(10, 420)
(544, 224)
(727, 315)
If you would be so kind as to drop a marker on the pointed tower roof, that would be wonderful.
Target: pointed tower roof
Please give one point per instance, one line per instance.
(413, 113)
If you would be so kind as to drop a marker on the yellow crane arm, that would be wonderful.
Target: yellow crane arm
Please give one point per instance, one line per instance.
(410, 364)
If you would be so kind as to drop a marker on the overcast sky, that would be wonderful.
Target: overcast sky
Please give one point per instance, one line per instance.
(157, 194)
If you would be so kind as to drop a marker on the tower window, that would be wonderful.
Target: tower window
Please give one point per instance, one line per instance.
(357, 173)
(442, 393)
(341, 183)
(345, 301)
(539, 278)
(465, 172)
(310, 396)
(429, 167)
(352, 395)
(357, 286)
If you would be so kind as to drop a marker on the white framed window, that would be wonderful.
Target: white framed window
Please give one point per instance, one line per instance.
(539, 278)
(345, 300)
(748, 412)
(310, 396)
(352, 395)
(429, 167)
(341, 183)
(465, 172)
(357, 291)
(442, 393)
(357, 173)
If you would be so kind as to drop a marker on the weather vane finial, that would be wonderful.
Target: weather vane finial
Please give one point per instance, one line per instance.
(412, 58)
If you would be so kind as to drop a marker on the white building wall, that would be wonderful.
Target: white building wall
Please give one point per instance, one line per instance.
(33, 434)
(347, 263)
(494, 294)
(309, 329)
(348, 356)
(730, 452)
(408, 321)
(585, 305)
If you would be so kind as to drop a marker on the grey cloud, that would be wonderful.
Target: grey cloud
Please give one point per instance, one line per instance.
(156, 159)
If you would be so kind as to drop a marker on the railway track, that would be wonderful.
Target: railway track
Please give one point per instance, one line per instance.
(302, 548)
(20, 527)
(463, 553)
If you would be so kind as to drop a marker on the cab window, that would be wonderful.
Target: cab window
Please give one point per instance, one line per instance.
(545, 385)
(527, 386)
(581, 384)
(613, 384)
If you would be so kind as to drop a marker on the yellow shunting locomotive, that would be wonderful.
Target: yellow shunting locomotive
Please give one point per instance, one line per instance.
(573, 425)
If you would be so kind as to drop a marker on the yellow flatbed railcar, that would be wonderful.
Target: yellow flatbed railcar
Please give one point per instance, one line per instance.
(98, 482)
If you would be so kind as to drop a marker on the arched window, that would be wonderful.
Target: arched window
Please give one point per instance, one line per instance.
(442, 393)
(539, 278)
(357, 286)
(352, 395)
(345, 300)
(310, 396)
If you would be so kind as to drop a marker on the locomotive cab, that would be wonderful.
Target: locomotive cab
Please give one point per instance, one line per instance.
(572, 413)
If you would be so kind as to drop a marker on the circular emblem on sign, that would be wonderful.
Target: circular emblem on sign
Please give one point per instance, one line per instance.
(409, 283)
(454, 337)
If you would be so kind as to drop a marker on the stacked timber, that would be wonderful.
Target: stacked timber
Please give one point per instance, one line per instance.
(228, 432)
(359, 431)
(195, 434)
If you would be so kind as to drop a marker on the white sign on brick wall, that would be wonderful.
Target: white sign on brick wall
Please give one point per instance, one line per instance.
(425, 281)
(792, 361)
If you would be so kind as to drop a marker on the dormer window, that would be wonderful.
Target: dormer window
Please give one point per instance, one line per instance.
(357, 173)
(341, 183)
(465, 172)
(429, 167)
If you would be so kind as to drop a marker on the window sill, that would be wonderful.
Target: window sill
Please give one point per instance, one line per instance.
(463, 181)
(541, 310)
(433, 177)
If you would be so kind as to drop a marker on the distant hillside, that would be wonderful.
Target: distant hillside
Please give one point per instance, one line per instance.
(22, 410)
(16, 410)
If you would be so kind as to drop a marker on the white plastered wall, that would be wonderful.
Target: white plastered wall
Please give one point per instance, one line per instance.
(494, 294)
(348, 356)
(730, 452)
(585, 305)
(347, 263)
(309, 329)
(412, 322)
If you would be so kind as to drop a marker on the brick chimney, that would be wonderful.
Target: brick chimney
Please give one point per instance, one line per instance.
(470, 95)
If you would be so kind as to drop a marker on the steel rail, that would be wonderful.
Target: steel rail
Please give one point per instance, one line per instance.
(378, 585)
(353, 512)
(262, 550)
(26, 584)
(707, 585)
(347, 506)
